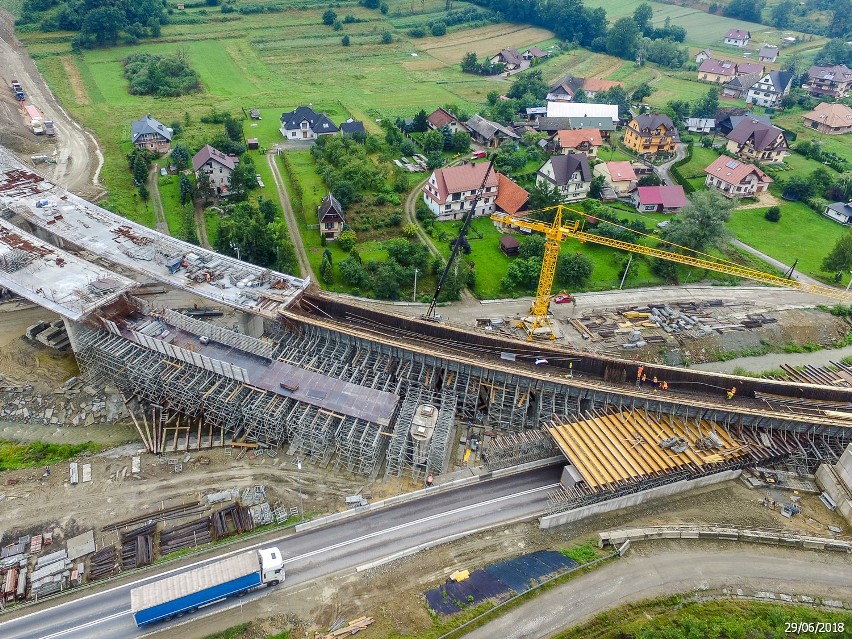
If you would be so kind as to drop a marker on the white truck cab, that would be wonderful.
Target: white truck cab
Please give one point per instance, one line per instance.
(271, 566)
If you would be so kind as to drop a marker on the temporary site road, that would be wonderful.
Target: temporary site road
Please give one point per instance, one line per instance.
(312, 554)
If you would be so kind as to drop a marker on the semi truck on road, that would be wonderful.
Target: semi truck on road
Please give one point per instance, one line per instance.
(35, 118)
(17, 90)
(188, 591)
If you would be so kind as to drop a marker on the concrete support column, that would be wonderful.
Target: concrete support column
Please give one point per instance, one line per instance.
(250, 324)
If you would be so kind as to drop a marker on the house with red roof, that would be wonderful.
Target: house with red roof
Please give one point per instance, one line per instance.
(440, 117)
(719, 71)
(619, 175)
(585, 141)
(734, 178)
(511, 197)
(450, 191)
(659, 199)
(737, 37)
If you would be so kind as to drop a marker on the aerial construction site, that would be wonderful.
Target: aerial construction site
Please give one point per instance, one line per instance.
(372, 392)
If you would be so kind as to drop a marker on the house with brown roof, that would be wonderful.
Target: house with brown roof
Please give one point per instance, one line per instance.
(330, 216)
(570, 174)
(755, 141)
(585, 141)
(510, 57)
(565, 89)
(745, 68)
(619, 175)
(718, 71)
(534, 53)
(217, 166)
(832, 119)
(734, 178)
(488, 133)
(659, 199)
(150, 134)
(651, 134)
(450, 191)
(511, 197)
(737, 37)
(768, 53)
(832, 82)
(440, 117)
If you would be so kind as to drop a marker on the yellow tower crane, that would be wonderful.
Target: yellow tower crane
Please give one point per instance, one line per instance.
(538, 321)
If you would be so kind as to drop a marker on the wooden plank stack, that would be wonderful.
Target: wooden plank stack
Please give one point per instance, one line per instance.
(354, 627)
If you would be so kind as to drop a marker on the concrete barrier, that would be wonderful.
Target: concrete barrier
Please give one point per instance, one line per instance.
(616, 538)
(636, 499)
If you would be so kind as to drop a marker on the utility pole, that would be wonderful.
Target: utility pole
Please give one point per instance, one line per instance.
(414, 297)
(626, 269)
(298, 463)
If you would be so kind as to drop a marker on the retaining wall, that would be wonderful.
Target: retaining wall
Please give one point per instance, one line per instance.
(636, 499)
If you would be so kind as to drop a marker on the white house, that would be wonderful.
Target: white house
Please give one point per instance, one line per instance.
(734, 178)
(582, 110)
(303, 123)
(619, 175)
(450, 191)
(737, 37)
(704, 54)
(770, 89)
(568, 173)
(768, 53)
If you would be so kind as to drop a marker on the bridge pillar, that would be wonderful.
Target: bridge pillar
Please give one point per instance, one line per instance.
(250, 324)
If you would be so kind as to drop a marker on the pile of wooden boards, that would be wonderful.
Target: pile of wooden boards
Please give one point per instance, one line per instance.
(102, 564)
(354, 627)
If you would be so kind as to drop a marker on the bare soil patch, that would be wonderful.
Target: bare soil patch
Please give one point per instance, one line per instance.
(487, 41)
(81, 97)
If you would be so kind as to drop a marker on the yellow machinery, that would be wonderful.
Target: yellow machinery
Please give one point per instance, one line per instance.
(538, 321)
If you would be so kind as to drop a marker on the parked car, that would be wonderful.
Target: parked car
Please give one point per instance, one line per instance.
(563, 298)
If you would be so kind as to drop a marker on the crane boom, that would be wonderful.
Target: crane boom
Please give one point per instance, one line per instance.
(556, 232)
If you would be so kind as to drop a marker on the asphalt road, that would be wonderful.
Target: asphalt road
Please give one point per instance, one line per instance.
(678, 568)
(314, 554)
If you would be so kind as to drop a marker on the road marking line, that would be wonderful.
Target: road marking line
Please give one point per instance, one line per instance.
(88, 624)
(415, 522)
(261, 545)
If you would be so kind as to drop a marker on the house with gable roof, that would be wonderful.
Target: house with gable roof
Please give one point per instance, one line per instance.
(585, 141)
(704, 54)
(718, 71)
(659, 199)
(330, 217)
(734, 178)
(737, 37)
(565, 89)
(753, 140)
(450, 191)
(651, 134)
(768, 53)
(303, 123)
(570, 174)
(216, 166)
(510, 57)
(150, 134)
(440, 117)
(619, 175)
(488, 133)
(833, 119)
(770, 89)
(831, 82)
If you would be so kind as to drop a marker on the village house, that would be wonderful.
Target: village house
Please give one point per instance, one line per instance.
(734, 178)
(728, 124)
(746, 68)
(770, 89)
(303, 123)
(839, 212)
(216, 166)
(150, 134)
(768, 53)
(510, 57)
(440, 117)
(570, 174)
(534, 53)
(620, 176)
(511, 198)
(566, 89)
(700, 125)
(737, 38)
(583, 110)
(488, 133)
(585, 141)
(353, 127)
(651, 134)
(450, 191)
(659, 199)
(330, 217)
(704, 54)
(832, 119)
(739, 86)
(831, 82)
(755, 141)
(718, 71)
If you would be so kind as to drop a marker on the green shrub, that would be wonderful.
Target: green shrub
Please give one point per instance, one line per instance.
(773, 214)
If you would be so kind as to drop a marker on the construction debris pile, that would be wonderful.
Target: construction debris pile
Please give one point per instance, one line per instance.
(635, 327)
(342, 629)
(74, 406)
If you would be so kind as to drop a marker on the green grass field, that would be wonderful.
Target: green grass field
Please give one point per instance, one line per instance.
(801, 233)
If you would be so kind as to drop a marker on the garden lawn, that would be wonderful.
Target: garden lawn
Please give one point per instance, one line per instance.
(801, 233)
(701, 159)
(169, 186)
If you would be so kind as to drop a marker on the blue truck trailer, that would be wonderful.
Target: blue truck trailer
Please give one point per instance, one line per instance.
(188, 591)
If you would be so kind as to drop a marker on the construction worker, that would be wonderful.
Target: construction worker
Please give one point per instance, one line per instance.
(644, 378)
(730, 394)
(664, 385)
(639, 375)
(655, 384)
(430, 480)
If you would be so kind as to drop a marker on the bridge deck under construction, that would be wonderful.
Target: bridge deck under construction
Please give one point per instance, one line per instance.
(611, 450)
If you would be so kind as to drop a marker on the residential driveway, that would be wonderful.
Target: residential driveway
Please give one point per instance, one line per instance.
(799, 277)
(290, 218)
(663, 169)
(764, 200)
(671, 569)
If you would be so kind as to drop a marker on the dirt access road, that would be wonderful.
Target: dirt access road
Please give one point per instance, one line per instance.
(75, 150)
